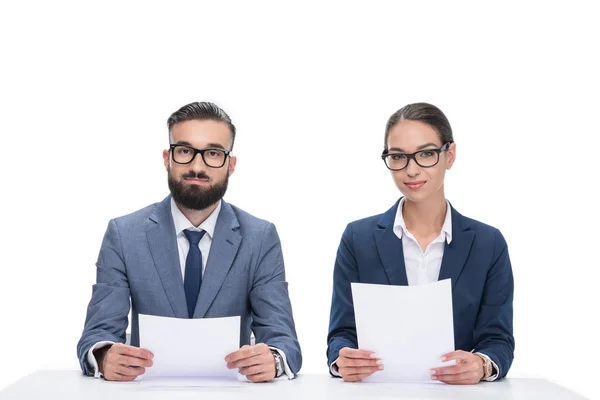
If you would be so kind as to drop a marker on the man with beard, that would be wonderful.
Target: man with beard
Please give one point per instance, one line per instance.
(192, 256)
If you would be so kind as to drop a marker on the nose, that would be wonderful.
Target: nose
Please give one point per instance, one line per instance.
(198, 165)
(412, 169)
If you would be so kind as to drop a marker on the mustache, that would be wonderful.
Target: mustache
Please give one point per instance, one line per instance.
(194, 175)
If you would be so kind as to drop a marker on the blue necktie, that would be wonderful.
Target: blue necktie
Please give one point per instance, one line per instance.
(193, 270)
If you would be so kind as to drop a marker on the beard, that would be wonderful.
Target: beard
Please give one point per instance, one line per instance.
(196, 197)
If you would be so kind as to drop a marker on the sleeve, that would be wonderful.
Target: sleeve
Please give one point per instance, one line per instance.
(107, 311)
(342, 325)
(272, 318)
(493, 334)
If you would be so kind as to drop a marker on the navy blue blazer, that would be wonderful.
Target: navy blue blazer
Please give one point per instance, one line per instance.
(476, 260)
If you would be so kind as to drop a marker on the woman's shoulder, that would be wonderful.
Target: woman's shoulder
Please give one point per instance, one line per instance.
(380, 221)
(482, 230)
(367, 223)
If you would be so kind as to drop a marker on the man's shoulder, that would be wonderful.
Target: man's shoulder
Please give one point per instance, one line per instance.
(138, 217)
(246, 220)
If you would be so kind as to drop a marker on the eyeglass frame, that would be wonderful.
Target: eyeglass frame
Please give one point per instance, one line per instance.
(445, 147)
(196, 151)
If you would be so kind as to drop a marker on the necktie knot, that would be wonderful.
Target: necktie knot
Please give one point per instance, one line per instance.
(194, 237)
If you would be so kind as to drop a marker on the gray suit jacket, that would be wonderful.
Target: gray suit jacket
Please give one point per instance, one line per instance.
(244, 275)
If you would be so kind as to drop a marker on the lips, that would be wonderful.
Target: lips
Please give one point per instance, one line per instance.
(415, 185)
(196, 180)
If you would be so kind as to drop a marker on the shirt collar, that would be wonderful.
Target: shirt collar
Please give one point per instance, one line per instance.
(182, 223)
(400, 224)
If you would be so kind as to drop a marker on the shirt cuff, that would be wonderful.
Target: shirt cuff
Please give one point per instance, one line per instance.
(333, 368)
(286, 367)
(495, 368)
(91, 360)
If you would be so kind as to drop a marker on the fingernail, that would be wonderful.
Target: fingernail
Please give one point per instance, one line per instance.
(374, 355)
(433, 378)
(226, 359)
(380, 367)
(432, 372)
(443, 358)
(379, 362)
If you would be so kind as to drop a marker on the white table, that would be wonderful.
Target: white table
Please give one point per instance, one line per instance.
(72, 385)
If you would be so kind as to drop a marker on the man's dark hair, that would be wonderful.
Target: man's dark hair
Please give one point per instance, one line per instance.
(201, 111)
(422, 112)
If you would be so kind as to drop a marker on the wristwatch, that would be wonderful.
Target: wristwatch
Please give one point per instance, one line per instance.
(487, 367)
(278, 364)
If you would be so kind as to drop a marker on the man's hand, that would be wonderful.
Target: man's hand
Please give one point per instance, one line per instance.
(467, 371)
(120, 362)
(255, 362)
(355, 365)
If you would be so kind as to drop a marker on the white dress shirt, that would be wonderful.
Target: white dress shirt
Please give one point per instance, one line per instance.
(183, 246)
(424, 266)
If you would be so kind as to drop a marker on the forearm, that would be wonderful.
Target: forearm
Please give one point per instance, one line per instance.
(108, 309)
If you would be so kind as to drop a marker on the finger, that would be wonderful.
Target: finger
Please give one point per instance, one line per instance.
(256, 369)
(132, 351)
(355, 377)
(451, 370)
(358, 362)
(359, 370)
(248, 362)
(261, 348)
(465, 382)
(465, 377)
(455, 355)
(244, 352)
(113, 376)
(263, 377)
(347, 352)
(132, 361)
(120, 369)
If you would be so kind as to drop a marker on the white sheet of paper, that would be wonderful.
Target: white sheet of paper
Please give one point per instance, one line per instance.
(189, 348)
(408, 327)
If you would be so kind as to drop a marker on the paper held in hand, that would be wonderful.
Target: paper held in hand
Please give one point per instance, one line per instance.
(189, 352)
(408, 327)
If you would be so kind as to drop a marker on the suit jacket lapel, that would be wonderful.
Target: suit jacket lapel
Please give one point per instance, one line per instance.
(223, 249)
(456, 253)
(162, 241)
(389, 248)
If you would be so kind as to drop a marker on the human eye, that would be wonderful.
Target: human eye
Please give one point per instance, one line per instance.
(213, 153)
(426, 154)
(183, 150)
(398, 157)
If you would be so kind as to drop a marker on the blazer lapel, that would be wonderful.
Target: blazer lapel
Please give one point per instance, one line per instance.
(456, 253)
(224, 247)
(389, 248)
(162, 241)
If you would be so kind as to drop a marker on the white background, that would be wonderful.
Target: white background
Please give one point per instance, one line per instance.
(85, 91)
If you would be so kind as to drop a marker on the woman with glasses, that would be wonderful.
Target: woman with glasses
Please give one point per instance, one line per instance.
(423, 239)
